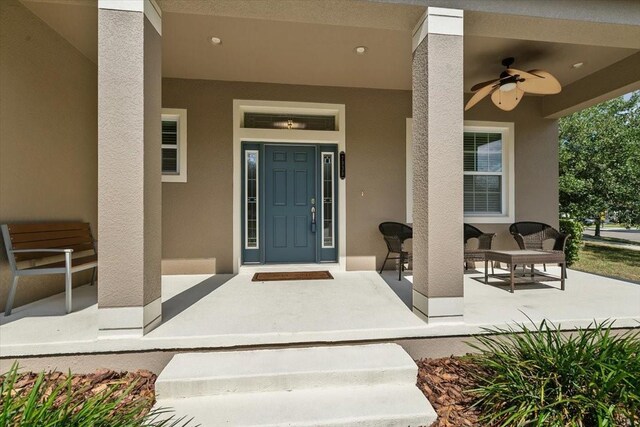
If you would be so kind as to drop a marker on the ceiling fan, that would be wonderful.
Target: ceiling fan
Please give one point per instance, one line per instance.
(507, 91)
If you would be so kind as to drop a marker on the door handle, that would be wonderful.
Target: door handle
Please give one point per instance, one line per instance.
(313, 219)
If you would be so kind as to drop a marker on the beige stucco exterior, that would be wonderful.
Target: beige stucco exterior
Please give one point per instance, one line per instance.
(48, 134)
(197, 215)
(51, 167)
(375, 143)
(129, 182)
(536, 165)
(437, 174)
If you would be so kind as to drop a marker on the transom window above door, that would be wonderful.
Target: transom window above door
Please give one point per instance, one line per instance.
(289, 121)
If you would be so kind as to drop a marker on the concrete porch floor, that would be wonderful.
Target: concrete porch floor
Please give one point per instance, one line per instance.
(587, 297)
(225, 311)
(221, 311)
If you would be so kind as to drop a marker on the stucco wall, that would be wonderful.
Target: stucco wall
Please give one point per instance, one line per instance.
(129, 154)
(536, 164)
(197, 215)
(48, 134)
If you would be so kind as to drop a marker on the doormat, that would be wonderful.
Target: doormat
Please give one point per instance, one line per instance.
(291, 275)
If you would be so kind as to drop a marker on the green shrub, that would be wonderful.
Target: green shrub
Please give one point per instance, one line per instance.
(59, 405)
(574, 229)
(543, 377)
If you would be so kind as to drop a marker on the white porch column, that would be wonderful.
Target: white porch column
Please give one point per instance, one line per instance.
(129, 165)
(438, 108)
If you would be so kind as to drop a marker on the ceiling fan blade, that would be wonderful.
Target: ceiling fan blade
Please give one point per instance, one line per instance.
(483, 84)
(481, 93)
(507, 101)
(545, 84)
(523, 74)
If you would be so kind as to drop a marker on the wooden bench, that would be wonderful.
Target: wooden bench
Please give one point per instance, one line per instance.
(30, 248)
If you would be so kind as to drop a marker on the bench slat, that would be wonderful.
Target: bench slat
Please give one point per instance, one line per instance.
(48, 235)
(53, 244)
(46, 226)
(37, 255)
(76, 262)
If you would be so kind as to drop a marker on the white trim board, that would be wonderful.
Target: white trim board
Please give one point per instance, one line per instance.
(150, 8)
(116, 322)
(292, 136)
(438, 20)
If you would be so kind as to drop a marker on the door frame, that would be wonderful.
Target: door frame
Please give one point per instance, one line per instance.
(285, 136)
(322, 253)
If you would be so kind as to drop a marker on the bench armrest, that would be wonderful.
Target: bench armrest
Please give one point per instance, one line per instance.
(18, 251)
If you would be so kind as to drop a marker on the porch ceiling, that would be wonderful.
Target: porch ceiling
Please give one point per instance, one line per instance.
(280, 41)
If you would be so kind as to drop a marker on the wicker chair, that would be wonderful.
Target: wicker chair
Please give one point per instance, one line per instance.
(395, 234)
(532, 235)
(484, 244)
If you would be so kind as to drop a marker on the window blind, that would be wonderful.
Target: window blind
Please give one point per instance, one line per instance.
(483, 172)
(170, 147)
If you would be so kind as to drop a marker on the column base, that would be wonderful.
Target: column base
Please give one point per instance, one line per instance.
(118, 322)
(438, 309)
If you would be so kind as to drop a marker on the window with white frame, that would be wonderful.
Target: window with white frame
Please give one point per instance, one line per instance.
(174, 145)
(488, 172)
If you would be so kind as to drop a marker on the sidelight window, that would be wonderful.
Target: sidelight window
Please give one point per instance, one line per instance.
(251, 192)
(328, 226)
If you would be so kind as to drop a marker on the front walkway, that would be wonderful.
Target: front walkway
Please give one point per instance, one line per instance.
(224, 311)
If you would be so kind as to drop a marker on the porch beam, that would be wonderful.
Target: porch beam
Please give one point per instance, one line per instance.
(438, 121)
(556, 30)
(610, 82)
(129, 165)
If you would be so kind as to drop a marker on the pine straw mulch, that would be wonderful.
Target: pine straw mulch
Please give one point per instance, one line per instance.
(443, 382)
(83, 386)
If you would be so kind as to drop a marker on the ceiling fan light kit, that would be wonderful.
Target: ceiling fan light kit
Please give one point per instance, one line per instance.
(507, 91)
(508, 86)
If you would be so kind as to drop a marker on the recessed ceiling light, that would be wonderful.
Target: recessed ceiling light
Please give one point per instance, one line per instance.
(578, 64)
(216, 41)
(361, 50)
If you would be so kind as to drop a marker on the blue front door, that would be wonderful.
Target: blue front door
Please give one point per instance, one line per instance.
(290, 203)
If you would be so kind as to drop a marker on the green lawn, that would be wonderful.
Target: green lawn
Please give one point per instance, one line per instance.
(608, 225)
(608, 261)
(615, 240)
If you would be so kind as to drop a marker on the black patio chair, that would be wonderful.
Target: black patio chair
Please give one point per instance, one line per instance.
(484, 244)
(532, 235)
(395, 234)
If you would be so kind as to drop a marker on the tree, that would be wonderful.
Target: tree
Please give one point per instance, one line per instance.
(600, 161)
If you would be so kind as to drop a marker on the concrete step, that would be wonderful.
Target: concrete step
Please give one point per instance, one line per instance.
(209, 374)
(379, 405)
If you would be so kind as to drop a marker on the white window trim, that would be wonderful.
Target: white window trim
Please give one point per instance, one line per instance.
(180, 115)
(508, 166)
(294, 136)
(333, 199)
